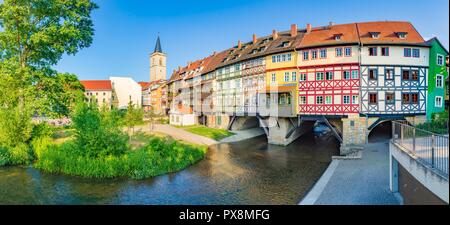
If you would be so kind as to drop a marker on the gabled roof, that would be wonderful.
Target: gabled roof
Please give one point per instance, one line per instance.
(144, 85)
(322, 36)
(435, 39)
(96, 85)
(263, 46)
(388, 32)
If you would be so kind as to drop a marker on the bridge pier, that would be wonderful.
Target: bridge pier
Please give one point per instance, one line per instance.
(286, 130)
(243, 122)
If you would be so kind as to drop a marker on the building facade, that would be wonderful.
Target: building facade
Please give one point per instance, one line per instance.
(438, 74)
(127, 90)
(99, 92)
(354, 76)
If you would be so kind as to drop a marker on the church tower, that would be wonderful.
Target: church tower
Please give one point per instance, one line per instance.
(158, 68)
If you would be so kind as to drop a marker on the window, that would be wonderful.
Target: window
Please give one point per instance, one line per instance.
(302, 100)
(286, 77)
(440, 60)
(329, 75)
(438, 101)
(303, 77)
(338, 52)
(407, 52)
(414, 98)
(390, 98)
(314, 54)
(346, 99)
(373, 51)
(416, 52)
(274, 59)
(355, 74)
(355, 99)
(385, 51)
(410, 98)
(389, 74)
(294, 76)
(439, 79)
(319, 76)
(319, 99)
(274, 77)
(346, 75)
(348, 51)
(305, 55)
(405, 74)
(282, 58)
(323, 53)
(373, 98)
(278, 58)
(328, 100)
(414, 75)
(289, 57)
(373, 73)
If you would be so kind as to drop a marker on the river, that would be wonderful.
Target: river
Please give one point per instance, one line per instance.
(246, 172)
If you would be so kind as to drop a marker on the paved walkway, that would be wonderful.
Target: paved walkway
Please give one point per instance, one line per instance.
(355, 182)
(241, 135)
(178, 134)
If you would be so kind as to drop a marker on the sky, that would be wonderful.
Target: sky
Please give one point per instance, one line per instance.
(126, 30)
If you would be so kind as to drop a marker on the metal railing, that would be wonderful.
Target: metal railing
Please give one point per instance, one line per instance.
(429, 148)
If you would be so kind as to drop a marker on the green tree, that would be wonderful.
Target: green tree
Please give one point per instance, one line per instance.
(35, 35)
(133, 117)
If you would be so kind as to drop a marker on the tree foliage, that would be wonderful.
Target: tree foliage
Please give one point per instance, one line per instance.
(34, 35)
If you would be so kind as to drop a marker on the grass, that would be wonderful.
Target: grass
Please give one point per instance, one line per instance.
(153, 156)
(213, 133)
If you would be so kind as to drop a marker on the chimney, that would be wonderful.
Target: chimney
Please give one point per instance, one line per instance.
(189, 64)
(293, 30)
(308, 28)
(214, 53)
(331, 24)
(239, 44)
(254, 39)
(274, 34)
(179, 68)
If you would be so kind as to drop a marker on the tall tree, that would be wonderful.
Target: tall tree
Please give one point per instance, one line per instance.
(35, 35)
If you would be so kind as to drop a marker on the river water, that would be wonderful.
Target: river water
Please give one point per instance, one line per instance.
(247, 172)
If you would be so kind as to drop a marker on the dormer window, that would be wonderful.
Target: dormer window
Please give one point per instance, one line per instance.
(253, 51)
(262, 49)
(374, 35)
(337, 37)
(284, 44)
(402, 35)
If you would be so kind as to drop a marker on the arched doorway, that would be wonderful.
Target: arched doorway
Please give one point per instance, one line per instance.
(382, 132)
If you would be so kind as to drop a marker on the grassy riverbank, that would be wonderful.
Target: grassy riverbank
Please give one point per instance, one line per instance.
(213, 133)
(154, 156)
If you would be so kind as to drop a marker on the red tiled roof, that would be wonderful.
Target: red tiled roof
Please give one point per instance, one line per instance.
(144, 85)
(388, 32)
(326, 35)
(360, 33)
(97, 85)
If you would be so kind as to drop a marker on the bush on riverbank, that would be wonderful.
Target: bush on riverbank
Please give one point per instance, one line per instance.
(100, 149)
(158, 156)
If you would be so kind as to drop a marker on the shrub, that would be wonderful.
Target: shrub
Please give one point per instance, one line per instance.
(158, 156)
(97, 134)
(4, 156)
(20, 154)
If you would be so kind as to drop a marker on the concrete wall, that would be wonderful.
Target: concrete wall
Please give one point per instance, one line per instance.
(423, 174)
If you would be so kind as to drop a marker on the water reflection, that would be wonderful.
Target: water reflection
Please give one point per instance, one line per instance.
(247, 172)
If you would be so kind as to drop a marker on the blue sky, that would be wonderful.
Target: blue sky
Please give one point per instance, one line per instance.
(126, 30)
